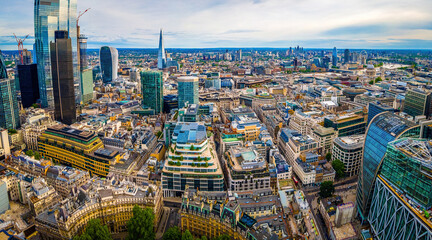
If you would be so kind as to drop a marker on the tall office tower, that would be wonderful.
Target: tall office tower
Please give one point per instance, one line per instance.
(83, 51)
(384, 128)
(49, 16)
(402, 196)
(161, 53)
(9, 112)
(108, 57)
(27, 57)
(322, 53)
(418, 102)
(29, 85)
(335, 57)
(347, 56)
(187, 90)
(62, 75)
(239, 57)
(86, 85)
(152, 90)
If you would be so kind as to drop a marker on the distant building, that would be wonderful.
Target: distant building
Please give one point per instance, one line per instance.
(187, 90)
(86, 85)
(83, 52)
(347, 56)
(63, 78)
(4, 198)
(162, 60)
(152, 90)
(334, 57)
(108, 58)
(29, 85)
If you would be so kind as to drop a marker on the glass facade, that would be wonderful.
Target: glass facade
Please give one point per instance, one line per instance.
(417, 102)
(408, 166)
(3, 71)
(187, 90)
(108, 57)
(87, 85)
(9, 111)
(383, 129)
(152, 90)
(375, 109)
(28, 82)
(49, 16)
(161, 52)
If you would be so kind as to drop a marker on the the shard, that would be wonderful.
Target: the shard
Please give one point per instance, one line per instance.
(161, 53)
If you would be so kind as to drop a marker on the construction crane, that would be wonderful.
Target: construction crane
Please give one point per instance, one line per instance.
(20, 42)
(78, 34)
(80, 15)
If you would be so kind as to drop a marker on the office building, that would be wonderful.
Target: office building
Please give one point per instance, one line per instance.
(402, 196)
(187, 90)
(334, 57)
(29, 85)
(75, 148)
(152, 90)
(170, 103)
(384, 128)
(83, 52)
(418, 102)
(347, 56)
(86, 85)
(347, 124)
(62, 77)
(349, 150)
(247, 169)
(4, 198)
(49, 16)
(3, 70)
(162, 59)
(375, 108)
(108, 57)
(9, 111)
(192, 161)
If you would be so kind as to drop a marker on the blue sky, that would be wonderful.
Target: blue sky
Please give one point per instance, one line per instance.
(403, 24)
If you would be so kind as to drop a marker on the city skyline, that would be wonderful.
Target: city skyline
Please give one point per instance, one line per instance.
(226, 23)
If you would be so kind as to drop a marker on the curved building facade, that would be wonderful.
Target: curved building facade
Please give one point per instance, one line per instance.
(187, 90)
(383, 128)
(108, 57)
(50, 16)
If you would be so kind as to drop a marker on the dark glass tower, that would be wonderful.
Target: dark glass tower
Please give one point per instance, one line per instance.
(63, 81)
(152, 90)
(49, 16)
(28, 82)
(108, 57)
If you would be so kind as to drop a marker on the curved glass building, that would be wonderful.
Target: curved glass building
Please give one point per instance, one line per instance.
(383, 128)
(108, 57)
(50, 16)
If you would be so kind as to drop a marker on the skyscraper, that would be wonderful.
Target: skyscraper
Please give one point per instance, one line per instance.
(161, 53)
(152, 90)
(49, 16)
(347, 56)
(383, 128)
(62, 75)
(9, 112)
(187, 90)
(83, 51)
(402, 196)
(108, 57)
(335, 57)
(86, 85)
(28, 82)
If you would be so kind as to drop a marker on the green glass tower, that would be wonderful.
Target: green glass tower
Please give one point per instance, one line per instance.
(9, 111)
(152, 90)
(187, 90)
(87, 85)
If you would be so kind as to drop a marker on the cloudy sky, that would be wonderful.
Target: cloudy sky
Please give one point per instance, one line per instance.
(239, 23)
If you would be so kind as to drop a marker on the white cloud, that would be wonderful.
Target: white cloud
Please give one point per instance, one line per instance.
(241, 23)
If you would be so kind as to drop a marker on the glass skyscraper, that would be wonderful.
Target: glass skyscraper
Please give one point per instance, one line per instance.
(49, 16)
(383, 128)
(187, 90)
(87, 85)
(402, 196)
(152, 90)
(9, 111)
(3, 71)
(161, 53)
(108, 57)
(335, 57)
